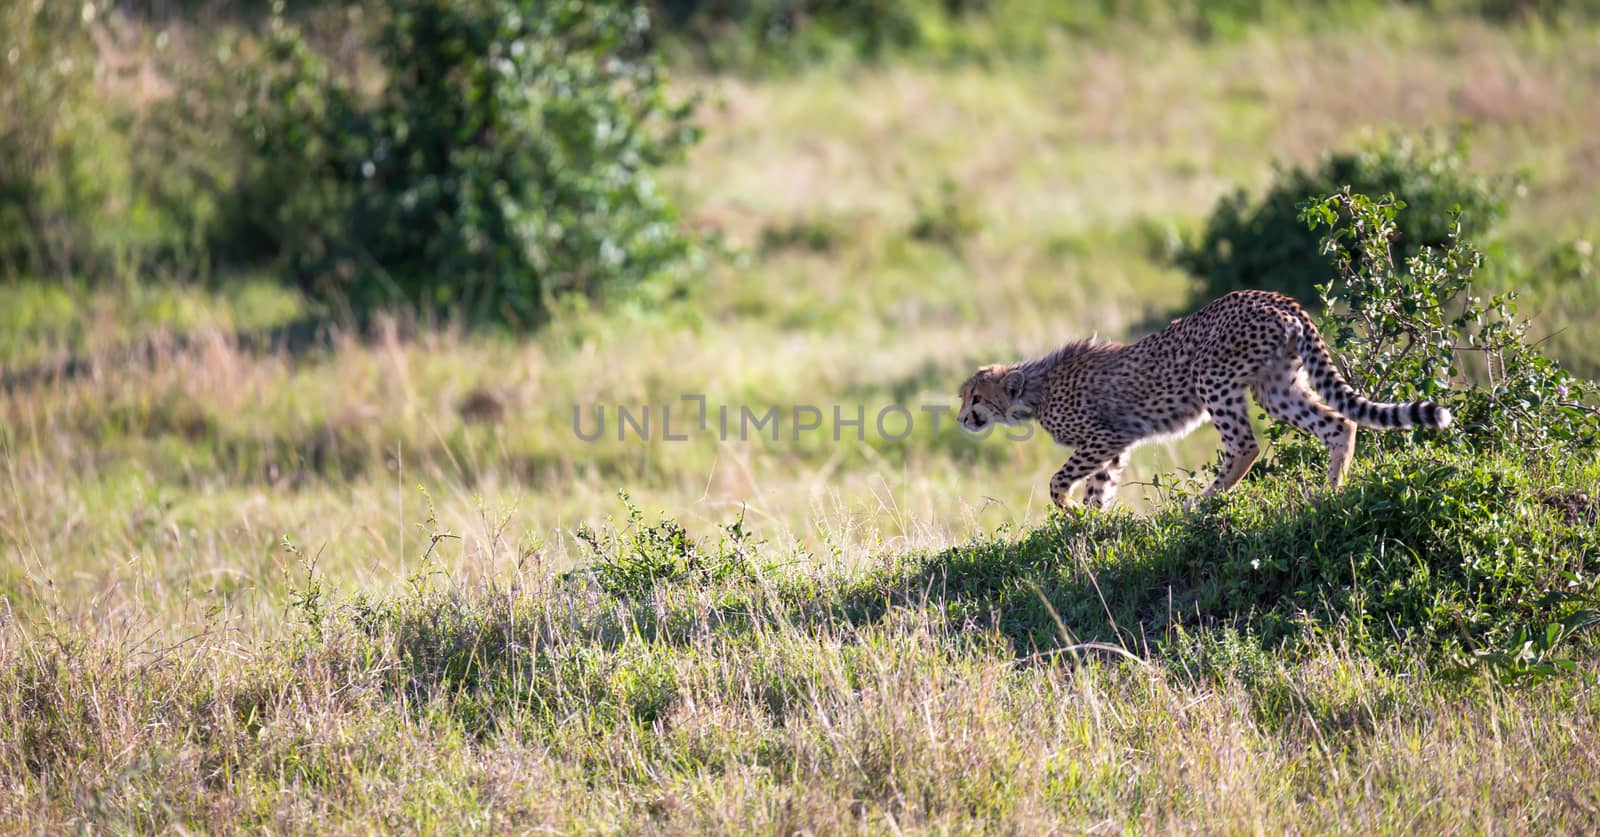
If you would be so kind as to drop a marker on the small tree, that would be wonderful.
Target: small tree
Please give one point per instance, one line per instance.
(507, 158)
(1418, 331)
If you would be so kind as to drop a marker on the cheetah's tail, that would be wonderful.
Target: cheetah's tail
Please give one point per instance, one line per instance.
(1331, 385)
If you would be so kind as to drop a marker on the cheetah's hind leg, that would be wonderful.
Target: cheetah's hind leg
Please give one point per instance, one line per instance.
(1288, 399)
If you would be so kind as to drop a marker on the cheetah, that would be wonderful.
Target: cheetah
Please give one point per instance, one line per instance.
(1103, 398)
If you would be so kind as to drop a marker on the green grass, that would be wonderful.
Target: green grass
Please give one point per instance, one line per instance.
(1141, 672)
(895, 654)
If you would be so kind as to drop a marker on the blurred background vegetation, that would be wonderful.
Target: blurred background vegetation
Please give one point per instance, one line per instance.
(482, 159)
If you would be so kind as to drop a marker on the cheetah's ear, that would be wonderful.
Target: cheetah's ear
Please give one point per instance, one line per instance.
(1014, 383)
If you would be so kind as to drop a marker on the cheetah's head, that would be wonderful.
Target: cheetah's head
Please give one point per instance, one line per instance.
(994, 394)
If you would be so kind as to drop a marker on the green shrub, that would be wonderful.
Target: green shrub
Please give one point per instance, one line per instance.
(1453, 556)
(1416, 330)
(634, 561)
(506, 160)
(1262, 243)
(51, 190)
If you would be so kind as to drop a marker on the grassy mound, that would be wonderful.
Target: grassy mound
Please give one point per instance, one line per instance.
(1445, 557)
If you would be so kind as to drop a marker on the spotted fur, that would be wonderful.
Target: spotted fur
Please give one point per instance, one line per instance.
(1102, 398)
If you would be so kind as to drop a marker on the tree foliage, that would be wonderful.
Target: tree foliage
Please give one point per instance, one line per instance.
(1263, 244)
(508, 158)
(1418, 329)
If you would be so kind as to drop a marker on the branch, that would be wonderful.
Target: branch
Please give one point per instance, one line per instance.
(1411, 343)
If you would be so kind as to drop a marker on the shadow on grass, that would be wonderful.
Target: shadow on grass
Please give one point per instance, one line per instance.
(1105, 579)
(1408, 559)
(1425, 557)
(1116, 580)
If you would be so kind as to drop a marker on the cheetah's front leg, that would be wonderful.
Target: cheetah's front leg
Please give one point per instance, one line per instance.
(1239, 447)
(1103, 483)
(1084, 461)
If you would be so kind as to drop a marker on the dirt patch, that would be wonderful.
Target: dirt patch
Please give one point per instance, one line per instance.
(1574, 506)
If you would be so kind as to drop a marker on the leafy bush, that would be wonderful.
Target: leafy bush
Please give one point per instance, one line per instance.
(1263, 244)
(635, 561)
(506, 160)
(1404, 332)
(1460, 558)
(75, 202)
(50, 190)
